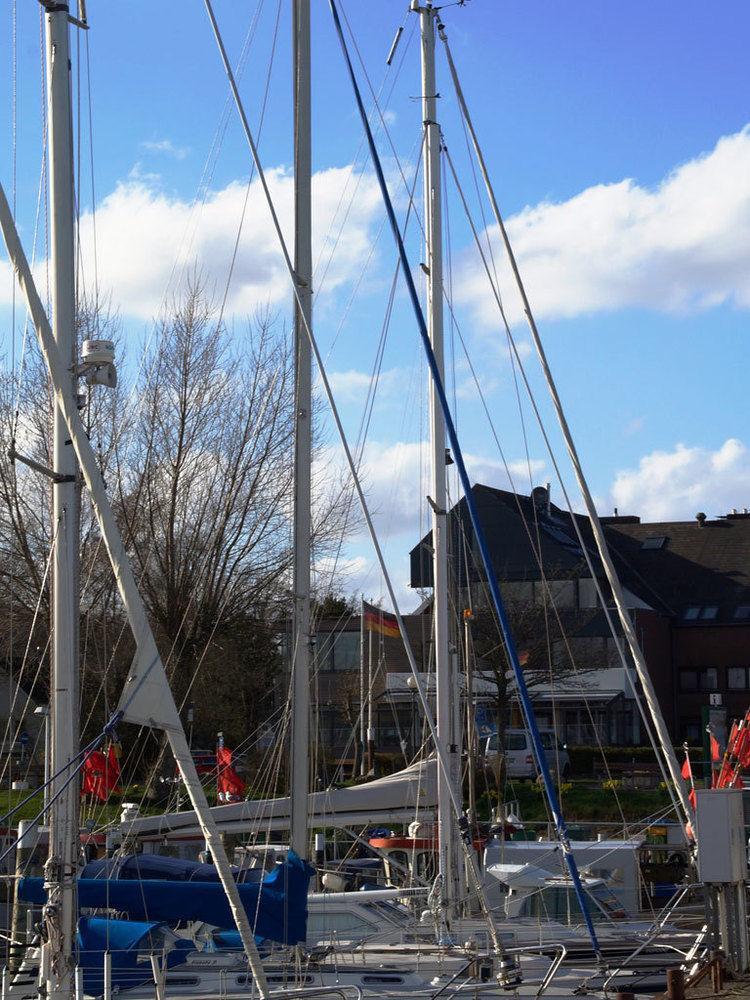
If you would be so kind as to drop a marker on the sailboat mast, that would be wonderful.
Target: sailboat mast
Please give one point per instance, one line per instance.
(60, 871)
(300, 744)
(449, 866)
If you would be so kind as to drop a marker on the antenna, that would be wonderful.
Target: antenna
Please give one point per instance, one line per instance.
(394, 45)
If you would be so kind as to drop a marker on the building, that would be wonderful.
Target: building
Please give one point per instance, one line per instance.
(687, 586)
(695, 576)
(397, 716)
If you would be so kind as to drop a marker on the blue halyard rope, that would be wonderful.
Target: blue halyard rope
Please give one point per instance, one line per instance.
(497, 600)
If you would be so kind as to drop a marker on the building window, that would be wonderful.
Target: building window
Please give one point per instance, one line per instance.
(697, 612)
(655, 542)
(737, 678)
(704, 679)
(334, 732)
(338, 652)
(708, 679)
(692, 732)
(742, 613)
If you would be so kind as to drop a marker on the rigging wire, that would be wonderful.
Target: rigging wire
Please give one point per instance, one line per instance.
(476, 523)
(334, 410)
(664, 743)
(382, 123)
(553, 459)
(263, 106)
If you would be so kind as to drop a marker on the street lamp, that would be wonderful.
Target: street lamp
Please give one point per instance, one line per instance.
(43, 711)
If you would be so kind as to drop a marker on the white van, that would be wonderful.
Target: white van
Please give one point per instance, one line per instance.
(519, 755)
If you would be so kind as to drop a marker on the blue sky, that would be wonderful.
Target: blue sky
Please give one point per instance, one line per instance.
(614, 134)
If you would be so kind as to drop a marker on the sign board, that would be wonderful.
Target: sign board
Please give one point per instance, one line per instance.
(714, 718)
(24, 738)
(484, 719)
(714, 699)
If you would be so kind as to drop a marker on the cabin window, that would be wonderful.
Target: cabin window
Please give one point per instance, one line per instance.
(425, 866)
(400, 857)
(557, 903)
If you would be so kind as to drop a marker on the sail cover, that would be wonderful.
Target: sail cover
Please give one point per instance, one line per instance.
(156, 866)
(123, 939)
(276, 907)
(395, 798)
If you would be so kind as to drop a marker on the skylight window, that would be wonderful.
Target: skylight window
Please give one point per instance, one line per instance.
(654, 542)
(701, 612)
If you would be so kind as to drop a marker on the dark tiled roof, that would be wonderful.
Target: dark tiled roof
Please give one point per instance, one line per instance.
(504, 516)
(694, 566)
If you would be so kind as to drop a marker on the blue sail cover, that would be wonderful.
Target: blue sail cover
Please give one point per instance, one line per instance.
(276, 907)
(154, 866)
(123, 939)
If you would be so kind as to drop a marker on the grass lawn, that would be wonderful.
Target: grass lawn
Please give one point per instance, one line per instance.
(101, 813)
(581, 802)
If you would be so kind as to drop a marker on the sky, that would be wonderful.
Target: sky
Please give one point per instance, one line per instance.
(618, 141)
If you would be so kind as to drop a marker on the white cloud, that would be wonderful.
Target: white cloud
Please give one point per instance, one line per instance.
(167, 147)
(396, 480)
(148, 240)
(669, 485)
(352, 386)
(681, 246)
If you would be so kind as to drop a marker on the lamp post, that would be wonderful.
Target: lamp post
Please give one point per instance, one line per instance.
(43, 711)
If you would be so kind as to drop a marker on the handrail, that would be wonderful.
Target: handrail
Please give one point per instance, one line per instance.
(314, 991)
(555, 964)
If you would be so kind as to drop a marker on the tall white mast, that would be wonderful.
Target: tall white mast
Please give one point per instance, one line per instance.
(450, 867)
(60, 871)
(300, 764)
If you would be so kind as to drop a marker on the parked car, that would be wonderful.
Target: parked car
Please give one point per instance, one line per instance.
(517, 751)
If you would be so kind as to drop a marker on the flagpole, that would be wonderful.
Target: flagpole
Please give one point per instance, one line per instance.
(362, 685)
(370, 732)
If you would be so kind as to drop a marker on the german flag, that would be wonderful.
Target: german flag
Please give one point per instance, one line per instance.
(376, 620)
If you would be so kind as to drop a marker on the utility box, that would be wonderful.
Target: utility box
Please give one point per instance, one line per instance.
(720, 831)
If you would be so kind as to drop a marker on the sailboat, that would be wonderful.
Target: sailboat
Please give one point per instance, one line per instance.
(451, 966)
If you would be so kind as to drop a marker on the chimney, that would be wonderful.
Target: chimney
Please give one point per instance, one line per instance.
(700, 517)
(540, 499)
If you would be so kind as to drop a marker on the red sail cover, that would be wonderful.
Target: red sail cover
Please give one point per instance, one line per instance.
(229, 785)
(101, 773)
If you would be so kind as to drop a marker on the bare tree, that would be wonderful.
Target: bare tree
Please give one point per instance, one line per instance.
(197, 458)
